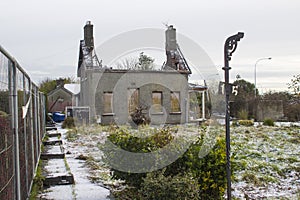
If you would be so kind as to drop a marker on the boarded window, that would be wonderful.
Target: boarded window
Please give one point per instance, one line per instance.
(108, 102)
(133, 100)
(157, 102)
(175, 102)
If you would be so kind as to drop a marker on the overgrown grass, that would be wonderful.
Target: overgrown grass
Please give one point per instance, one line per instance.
(266, 155)
(263, 155)
(246, 122)
(243, 115)
(71, 135)
(37, 182)
(268, 122)
(208, 172)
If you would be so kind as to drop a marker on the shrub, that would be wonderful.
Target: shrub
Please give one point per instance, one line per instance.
(126, 140)
(209, 170)
(138, 117)
(157, 186)
(292, 111)
(243, 114)
(208, 174)
(268, 122)
(246, 122)
(68, 123)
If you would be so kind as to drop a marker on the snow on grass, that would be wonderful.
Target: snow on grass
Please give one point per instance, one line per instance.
(266, 160)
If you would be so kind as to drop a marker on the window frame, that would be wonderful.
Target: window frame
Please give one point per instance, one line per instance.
(157, 107)
(133, 99)
(177, 97)
(108, 111)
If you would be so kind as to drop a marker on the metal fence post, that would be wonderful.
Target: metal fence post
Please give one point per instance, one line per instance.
(16, 133)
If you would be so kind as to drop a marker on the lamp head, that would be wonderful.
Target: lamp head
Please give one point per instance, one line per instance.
(239, 36)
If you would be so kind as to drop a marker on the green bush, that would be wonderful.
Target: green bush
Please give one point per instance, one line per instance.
(68, 123)
(268, 122)
(126, 140)
(209, 172)
(246, 122)
(157, 186)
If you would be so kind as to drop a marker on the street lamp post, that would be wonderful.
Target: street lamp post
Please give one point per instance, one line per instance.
(229, 48)
(269, 58)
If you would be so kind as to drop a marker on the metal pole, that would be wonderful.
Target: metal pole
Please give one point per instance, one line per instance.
(229, 47)
(227, 126)
(255, 72)
(16, 131)
(203, 105)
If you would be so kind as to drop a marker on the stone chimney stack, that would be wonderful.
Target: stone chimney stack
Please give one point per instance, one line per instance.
(171, 38)
(171, 49)
(88, 35)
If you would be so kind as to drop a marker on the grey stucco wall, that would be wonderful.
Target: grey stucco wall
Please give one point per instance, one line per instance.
(118, 82)
(269, 109)
(88, 85)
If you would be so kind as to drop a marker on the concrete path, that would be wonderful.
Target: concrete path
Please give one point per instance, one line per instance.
(82, 189)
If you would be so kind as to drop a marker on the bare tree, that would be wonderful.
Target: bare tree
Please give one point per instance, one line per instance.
(295, 84)
(143, 62)
(127, 63)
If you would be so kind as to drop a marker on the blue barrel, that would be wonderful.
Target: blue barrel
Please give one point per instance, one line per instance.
(58, 117)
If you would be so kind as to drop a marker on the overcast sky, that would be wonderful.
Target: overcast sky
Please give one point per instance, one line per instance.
(43, 35)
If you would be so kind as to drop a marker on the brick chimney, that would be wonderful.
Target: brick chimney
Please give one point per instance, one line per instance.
(88, 35)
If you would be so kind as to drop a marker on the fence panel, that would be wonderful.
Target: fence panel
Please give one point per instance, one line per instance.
(22, 127)
(6, 134)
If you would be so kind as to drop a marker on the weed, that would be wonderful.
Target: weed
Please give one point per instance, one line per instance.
(243, 114)
(67, 165)
(68, 123)
(72, 135)
(250, 177)
(268, 179)
(37, 182)
(268, 122)
(246, 122)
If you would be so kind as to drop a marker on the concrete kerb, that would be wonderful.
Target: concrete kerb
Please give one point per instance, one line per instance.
(53, 156)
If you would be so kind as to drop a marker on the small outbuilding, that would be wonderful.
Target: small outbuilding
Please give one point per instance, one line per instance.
(64, 95)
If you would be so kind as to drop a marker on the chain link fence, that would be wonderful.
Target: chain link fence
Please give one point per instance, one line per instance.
(22, 125)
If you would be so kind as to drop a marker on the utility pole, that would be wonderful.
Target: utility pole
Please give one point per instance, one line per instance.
(269, 58)
(229, 48)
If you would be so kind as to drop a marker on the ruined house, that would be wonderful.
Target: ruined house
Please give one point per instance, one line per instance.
(113, 94)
